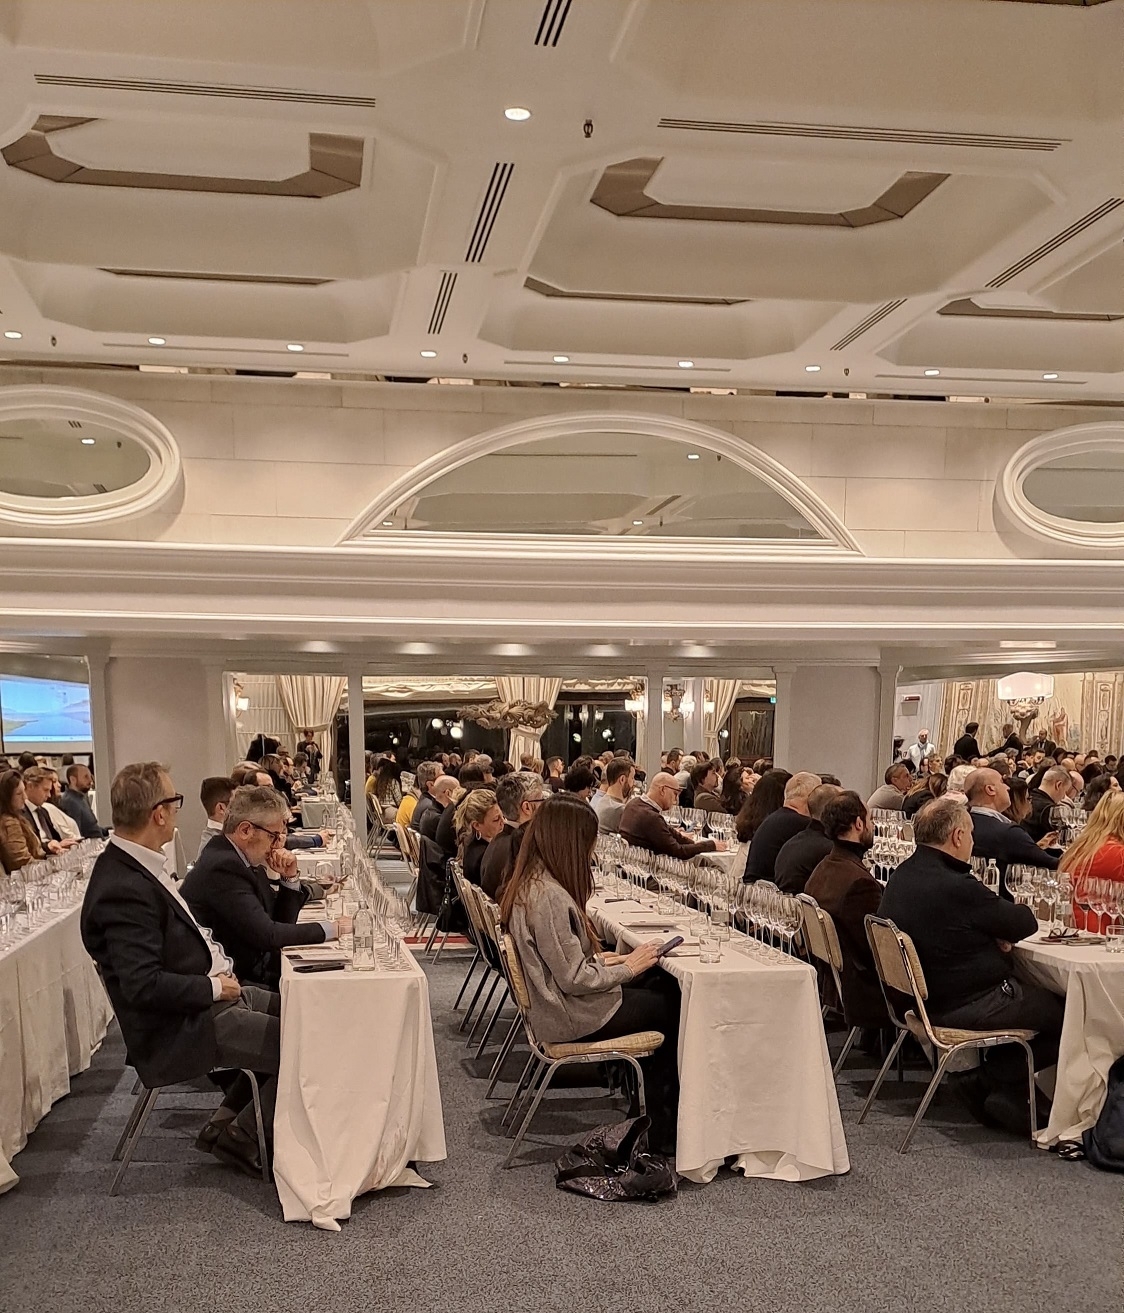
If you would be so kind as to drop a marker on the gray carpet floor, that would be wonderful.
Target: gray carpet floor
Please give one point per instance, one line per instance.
(969, 1219)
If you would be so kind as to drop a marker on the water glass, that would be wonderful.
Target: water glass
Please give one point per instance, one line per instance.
(710, 946)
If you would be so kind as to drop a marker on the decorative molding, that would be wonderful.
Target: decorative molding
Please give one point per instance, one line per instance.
(42, 401)
(1011, 499)
(771, 472)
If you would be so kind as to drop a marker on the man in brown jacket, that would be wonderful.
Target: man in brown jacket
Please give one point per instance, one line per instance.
(643, 825)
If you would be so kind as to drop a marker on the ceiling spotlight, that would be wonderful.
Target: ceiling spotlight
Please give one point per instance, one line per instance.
(157, 341)
(1049, 377)
(294, 346)
(811, 369)
(456, 732)
(12, 335)
(561, 360)
(388, 524)
(429, 355)
(88, 442)
(686, 364)
(693, 455)
(517, 114)
(932, 373)
(637, 522)
(437, 723)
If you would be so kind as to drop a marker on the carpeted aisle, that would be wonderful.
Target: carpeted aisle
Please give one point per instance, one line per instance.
(967, 1220)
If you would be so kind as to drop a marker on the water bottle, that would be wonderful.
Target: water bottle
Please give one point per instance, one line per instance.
(363, 953)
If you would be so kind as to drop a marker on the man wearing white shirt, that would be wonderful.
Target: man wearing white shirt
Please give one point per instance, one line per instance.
(620, 775)
(181, 1010)
(66, 825)
(37, 790)
(921, 751)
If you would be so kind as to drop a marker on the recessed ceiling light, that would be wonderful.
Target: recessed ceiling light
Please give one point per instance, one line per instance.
(157, 341)
(637, 522)
(293, 346)
(686, 364)
(561, 360)
(932, 373)
(12, 335)
(1048, 377)
(811, 369)
(429, 355)
(388, 524)
(88, 442)
(517, 114)
(693, 455)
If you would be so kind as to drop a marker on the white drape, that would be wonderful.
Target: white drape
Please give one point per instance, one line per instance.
(527, 688)
(311, 702)
(721, 694)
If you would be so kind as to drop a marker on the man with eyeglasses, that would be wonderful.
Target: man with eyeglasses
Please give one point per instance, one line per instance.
(519, 796)
(181, 1009)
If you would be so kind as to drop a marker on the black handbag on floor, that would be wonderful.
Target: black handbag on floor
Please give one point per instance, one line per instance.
(613, 1163)
(1104, 1143)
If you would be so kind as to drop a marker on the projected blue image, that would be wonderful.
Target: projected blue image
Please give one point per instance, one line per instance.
(44, 711)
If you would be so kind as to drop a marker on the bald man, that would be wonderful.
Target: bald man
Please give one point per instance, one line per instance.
(643, 824)
(776, 830)
(995, 835)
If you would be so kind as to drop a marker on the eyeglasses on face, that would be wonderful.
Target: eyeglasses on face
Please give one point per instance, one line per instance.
(176, 800)
(273, 834)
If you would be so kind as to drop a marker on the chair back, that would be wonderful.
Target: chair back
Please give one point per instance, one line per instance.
(898, 968)
(513, 970)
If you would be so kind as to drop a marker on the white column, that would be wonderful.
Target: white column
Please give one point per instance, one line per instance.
(104, 768)
(693, 723)
(653, 722)
(887, 715)
(831, 719)
(782, 716)
(356, 740)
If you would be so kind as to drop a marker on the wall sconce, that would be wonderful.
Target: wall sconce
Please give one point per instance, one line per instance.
(708, 706)
(242, 704)
(635, 705)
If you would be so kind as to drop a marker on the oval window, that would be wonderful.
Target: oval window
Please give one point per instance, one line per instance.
(73, 457)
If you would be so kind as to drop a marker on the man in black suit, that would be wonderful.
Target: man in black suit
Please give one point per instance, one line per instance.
(995, 835)
(800, 855)
(37, 788)
(966, 747)
(428, 773)
(229, 889)
(75, 801)
(181, 1010)
(1052, 790)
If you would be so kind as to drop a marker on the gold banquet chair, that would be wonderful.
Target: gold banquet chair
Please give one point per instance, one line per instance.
(549, 1058)
(899, 969)
(822, 941)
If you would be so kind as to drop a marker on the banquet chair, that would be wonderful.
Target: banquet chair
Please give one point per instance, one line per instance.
(822, 941)
(899, 970)
(142, 1110)
(547, 1059)
(409, 851)
(378, 828)
(478, 935)
(483, 934)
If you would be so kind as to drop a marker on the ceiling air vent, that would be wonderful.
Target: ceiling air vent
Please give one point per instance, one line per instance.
(489, 209)
(854, 132)
(441, 303)
(553, 20)
(74, 423)
(875, 317)
(1059, 239)
(217, 90)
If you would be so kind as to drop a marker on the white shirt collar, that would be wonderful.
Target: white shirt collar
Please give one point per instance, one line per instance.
(153, 862)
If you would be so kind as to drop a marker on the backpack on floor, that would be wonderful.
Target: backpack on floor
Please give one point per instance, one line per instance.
(1104, 1143)
(613, 1163)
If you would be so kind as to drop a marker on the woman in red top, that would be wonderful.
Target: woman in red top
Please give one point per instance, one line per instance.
(1096, 854)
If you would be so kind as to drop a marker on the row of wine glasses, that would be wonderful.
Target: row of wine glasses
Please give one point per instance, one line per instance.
(1101, 901)
(1048, 893)
(40, 890)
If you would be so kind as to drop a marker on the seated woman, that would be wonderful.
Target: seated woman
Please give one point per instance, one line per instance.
(733, 793)
(1096, 854)
(578, 991)
(385, 787)
(925, 790)
(19, 844)
(478, 820)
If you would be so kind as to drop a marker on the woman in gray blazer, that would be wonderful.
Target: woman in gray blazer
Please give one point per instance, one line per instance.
(578, 991)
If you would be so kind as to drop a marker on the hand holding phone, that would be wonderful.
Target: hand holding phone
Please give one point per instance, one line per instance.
(664, 949)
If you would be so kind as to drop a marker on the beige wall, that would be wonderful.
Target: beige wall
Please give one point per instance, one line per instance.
(294, 462)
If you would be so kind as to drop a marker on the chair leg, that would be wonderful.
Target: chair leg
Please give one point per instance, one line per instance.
(882, 1074)
(483, 1012)
(843, 1052)
(531, 1074)
(441, 946)
(938, 1076)
(479, 989)
(495, 1017)
(263, 1148)
(432, 935)
(138, 1130)
(526, 1122)
(467, 978)
(641, 1101)
(134, 1116)
(1032, 1091)
(502, 1056)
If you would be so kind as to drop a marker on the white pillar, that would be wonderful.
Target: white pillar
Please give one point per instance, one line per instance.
(653, 722)
(887, 715)
(693, 723)
(104, 768)
(831, 719)
(356, 740)
(782, 716)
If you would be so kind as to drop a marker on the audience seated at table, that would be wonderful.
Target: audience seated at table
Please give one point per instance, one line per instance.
(930, 786)
(444, 829)
(643, 825)
(229, 891)
(1096, 854)
(890, 794)
(181, 1010)
(1095, 791)
(766, 798)
(427, 775)
(555, 772)
(577, 990)
(619, 778)
(75, 801)
(66, 825)
(518, 796)
(445, 789)
(706, 784)
(799, 856)
(846, 890)
(963, 934)
(995, 835)
(478, 820)
(19, 843)
(214, 794)
(384, 788)
(1046, 794)
(580, 780)
(779, 826)
(37, 787)
(733, 792)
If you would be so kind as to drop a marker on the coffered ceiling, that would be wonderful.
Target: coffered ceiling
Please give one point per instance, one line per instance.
(813, 195)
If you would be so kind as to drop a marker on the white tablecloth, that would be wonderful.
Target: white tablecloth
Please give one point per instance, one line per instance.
(754, 1072)
(53, 1015)
(1092, 981)
(357, 1097)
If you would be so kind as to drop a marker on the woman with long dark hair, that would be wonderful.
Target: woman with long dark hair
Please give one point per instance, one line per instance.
(19, 844)
(733, 793)
(766, 798)
(578, 991)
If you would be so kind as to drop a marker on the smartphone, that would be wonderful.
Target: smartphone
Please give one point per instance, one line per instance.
(306, 967)
(671, 943)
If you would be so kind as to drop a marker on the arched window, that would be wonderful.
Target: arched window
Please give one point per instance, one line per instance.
(602, 476)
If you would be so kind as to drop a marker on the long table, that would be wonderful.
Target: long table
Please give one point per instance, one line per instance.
(53, 1015)
(1092, 982)
(357, 1096)
(754, 1071)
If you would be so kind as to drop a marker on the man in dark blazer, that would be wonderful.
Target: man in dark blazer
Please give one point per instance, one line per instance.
(800, 855)
(643, 825)
(75, 801)
(181, 1010)
(967, 747)
(995, 835)
(229, 889)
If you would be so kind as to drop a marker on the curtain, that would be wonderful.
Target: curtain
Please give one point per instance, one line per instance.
(311, 702)
(723, 693)
(527, 688)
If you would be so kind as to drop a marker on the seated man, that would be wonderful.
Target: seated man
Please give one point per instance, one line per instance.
(37, 788)
(963, 934)
(642, 822)
(214, 794)
(707, 787)
(181, 1010)
(890, 795)
(620, 776)
(780, 826)
(253, 777)
(75, 801)
(580, 780)
(428, 773)
(442, 798)
(228, 889)
(519, 796)
(996, 835)
(65, 825)
(800, 855)
(1052, 791)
